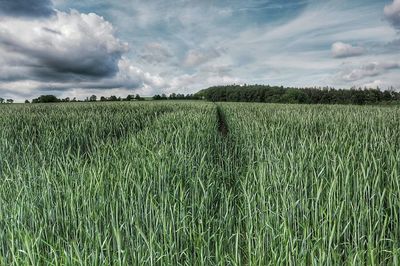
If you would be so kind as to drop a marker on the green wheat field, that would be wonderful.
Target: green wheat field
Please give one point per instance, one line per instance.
(199, 183)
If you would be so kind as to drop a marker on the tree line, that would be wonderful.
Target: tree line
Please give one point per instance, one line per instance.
(176, 96)
(113, 98)
(93, 98)
(275, 94)
(254, 93)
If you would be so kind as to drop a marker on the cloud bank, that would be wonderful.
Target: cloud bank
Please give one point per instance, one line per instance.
(66, 51)
(77, 48)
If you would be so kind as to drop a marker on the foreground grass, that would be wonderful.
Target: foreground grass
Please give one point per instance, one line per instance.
(156, 183)
(321, 185)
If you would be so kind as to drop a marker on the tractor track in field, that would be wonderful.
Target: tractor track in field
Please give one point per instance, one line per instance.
(230, 160)
(222, 125)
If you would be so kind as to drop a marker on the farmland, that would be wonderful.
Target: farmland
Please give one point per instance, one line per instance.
(198, 183)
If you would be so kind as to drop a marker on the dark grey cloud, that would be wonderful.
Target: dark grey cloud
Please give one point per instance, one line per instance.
(66, 47)
(26, 8)
(79, 64)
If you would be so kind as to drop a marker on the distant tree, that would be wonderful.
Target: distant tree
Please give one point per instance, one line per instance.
(1, 100)
(10, 100)
(294, 96)
(67, 99)
(172, 96)
(387, 95)
(129, 97)
(27, 101)
(138, 98)
(113, 98)
(46, 99)
(74, 100)
(156, 97)
(103, 99)
(93, 98)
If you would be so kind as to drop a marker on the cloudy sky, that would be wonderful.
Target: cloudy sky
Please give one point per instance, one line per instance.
(103, 47)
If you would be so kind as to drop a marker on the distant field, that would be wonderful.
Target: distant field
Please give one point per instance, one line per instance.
(198, 183)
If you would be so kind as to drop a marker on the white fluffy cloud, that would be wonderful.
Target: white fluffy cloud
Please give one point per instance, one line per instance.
(129, 75)
(342, 50)
(392, 13)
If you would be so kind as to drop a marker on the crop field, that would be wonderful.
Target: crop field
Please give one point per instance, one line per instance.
(199, 183)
